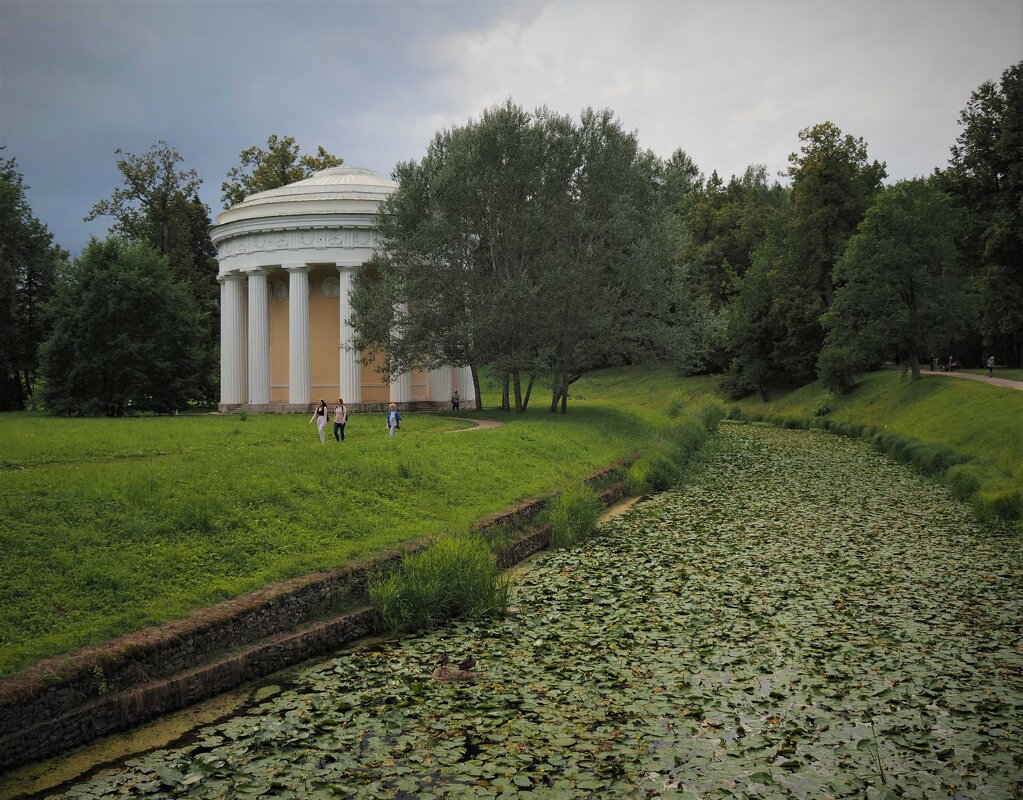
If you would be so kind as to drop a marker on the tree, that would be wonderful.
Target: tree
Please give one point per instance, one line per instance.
(525, 242)
(125, 334)
(451, 284)
(985, 179)
(833, 184)
(278, 165)
(159, 204)
(900, 291)
(29, 262)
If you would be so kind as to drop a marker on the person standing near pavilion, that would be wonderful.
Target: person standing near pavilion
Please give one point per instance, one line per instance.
(320, 415)
(340, 420)
(455, 400)
(393, 420)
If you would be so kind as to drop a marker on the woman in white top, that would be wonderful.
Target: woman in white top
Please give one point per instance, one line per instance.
(320, 415)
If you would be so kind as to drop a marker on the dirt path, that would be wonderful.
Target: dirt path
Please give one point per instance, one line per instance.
(1004, 382)
(481, 424)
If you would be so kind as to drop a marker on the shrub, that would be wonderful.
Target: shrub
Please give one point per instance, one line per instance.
(676, 406)
(998, 502)
(964, 480)
(572, 515)
(455, 576)
(637, 481)
(837, 369)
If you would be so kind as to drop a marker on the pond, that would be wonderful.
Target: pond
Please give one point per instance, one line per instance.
(805, 619)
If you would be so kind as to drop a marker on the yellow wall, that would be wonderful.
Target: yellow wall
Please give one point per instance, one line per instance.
(375, 387)
(324, 338)
(278, 341)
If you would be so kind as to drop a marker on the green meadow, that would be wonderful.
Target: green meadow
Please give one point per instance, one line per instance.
(112, 525)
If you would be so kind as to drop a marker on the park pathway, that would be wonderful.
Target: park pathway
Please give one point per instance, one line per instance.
(804, 619)
(993, 381)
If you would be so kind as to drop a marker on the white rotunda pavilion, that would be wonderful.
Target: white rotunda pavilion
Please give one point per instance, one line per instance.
(286, 258)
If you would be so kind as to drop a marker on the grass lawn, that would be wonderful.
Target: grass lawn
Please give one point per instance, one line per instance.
(109, 526)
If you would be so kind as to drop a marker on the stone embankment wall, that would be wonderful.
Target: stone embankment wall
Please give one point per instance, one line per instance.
(65, 701)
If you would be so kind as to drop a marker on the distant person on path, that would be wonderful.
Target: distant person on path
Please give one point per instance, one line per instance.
(990, 365)
(455, 400)
(934, 363)
(320, 415)
(340, 420)
(393, 420)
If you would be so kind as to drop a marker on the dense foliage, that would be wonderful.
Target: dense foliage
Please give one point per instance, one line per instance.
(533, 244)
(29, 263)
(158, 204)
(126, 336)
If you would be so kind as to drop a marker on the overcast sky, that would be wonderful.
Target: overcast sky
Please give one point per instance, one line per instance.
(732, 82)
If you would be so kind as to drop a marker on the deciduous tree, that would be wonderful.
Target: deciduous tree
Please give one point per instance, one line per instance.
(29, 262)
(899, 293)
(278, 165)
(126, 334)
(159, 204)
(985, 179)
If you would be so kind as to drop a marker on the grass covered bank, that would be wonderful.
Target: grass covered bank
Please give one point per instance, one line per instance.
(110, 526)
(931, 423)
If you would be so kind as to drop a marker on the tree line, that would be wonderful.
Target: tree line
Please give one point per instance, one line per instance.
(542, 247)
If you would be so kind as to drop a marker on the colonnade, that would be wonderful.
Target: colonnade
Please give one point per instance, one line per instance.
(245, 344)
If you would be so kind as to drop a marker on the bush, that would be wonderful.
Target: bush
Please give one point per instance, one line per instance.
(455, 576)
(572, 515)
(837, 369)
(964, 480)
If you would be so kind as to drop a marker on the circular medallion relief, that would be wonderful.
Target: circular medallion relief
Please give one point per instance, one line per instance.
(331, 286)
(280, 290)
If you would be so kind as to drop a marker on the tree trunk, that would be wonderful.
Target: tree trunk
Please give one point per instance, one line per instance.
(518, 391)
(476, 386)
(564, 401)
(505, 402)
(914, 364)
(529, 391)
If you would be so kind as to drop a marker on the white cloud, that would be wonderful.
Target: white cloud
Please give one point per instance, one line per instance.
(734, 82)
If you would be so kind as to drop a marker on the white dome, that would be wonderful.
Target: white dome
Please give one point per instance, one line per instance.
(337, 190)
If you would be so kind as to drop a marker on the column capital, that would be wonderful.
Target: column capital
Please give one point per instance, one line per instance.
(297, 266)
(348, 266)
(249, 273)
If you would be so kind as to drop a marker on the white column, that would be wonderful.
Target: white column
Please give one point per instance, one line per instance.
(466, 391)
(350, 366)
(299, 389)
(259, 339)
(232, 340)
(440, 386)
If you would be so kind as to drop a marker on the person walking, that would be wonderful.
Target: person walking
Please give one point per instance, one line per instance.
(455, 400)
(320, 415)
(990, 365)
(393, 420)
(340, 420)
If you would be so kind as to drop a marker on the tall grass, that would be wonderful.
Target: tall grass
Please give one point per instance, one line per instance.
(454, 577)
(572, 515)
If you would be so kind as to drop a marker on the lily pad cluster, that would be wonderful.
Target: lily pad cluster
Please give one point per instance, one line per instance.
(805, 619)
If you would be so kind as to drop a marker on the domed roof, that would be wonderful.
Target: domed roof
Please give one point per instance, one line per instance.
(338, 190)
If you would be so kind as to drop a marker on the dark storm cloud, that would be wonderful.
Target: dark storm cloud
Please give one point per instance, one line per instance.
(730, 81)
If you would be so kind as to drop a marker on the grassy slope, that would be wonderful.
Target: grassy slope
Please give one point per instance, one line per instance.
(974, 419)
(108, 526)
